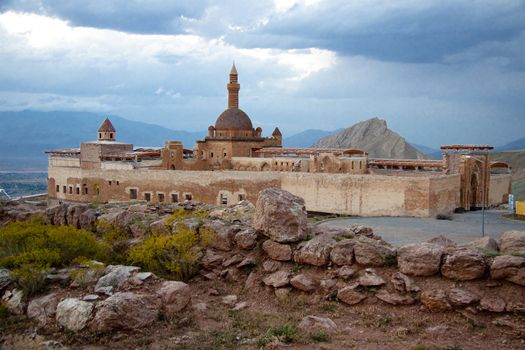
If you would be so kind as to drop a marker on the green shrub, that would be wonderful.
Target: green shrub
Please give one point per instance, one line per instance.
(319, 337)
(37, 244)
(181, 214)
(30, 279)
(174, 255)
(287, 333)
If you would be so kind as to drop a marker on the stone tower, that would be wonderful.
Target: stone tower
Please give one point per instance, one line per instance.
(233, 89)
(106, 131)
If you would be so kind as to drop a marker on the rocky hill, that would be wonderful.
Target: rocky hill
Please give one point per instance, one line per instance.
(373, 136)
(246, 277)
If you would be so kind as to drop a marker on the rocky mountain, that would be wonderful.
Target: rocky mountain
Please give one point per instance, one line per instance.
(514, 145)
(373, 136)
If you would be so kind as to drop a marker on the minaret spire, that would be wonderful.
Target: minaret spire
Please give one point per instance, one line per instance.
(233, 88)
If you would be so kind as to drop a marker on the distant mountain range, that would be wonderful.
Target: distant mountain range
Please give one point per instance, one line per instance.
(373, 136)
(26, 135)
(306, 138)
(514, 145)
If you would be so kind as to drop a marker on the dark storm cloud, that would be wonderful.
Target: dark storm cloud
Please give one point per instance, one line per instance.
(148, 17)
(405, 34)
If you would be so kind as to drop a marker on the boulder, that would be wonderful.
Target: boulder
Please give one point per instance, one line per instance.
(371, 279)
(73, 314)
(224, 234)
(175, 295)
(277, 251)
(5, 279)
(343, 252)
(492, 303)
(246, 239)
(315, 251)
(394, 298)
(14, 301)
(310, 324)
(253, 281)
(464, 264)
(362, 230)
(420, 259)
(349, 295)
(211, 259)
(303, 282)
(442, 241)
(435, 300)
(512, 242)
(277, 279)
(43, 309)
(125, 311)
(242, 211)
(160, 226)
(73, 214)
(485, 244)
(248, 261)
(114, 276)
(56, 215)
(281, 216)
(373, 252)
(345, 272)
(404, 284)
(271, 266)
(87, 220)
(461, 297)
(235, 259)
(511, 268)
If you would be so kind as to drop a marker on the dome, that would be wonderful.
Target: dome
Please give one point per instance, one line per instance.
(233, 119)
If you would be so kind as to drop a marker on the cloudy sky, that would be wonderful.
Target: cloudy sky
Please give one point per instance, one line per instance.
(443, 71)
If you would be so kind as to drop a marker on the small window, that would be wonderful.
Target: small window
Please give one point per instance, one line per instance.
(224, 154)
(85, 190)
(161, 197)
(224, 198)
(99, 135)
(242, 197)
(110, 135)
(118, 183)
(132, 193)
(78, 190)
(352, 165)
(188, 196)
(109, 183)
(64, 189)
(58, 188)
(174, 197)
(211, 155)
(147, 197)
(70, 189)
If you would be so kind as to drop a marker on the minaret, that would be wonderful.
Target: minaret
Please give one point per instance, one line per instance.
(233, 89)
(106, 131)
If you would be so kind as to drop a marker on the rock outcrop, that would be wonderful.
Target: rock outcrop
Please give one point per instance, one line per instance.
(373, 136)
(73, 314)
(281, 216)
(422, 259)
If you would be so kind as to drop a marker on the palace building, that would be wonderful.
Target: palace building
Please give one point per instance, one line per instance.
(235, 161)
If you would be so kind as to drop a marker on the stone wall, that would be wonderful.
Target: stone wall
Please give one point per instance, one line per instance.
(499, 189)
(374, 195)
(363, 195)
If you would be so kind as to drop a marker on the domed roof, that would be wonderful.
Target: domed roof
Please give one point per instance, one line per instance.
(233, 119)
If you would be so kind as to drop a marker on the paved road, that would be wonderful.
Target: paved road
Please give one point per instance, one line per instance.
(461, 229)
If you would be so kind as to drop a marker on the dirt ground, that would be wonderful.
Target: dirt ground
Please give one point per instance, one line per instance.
(370, 325)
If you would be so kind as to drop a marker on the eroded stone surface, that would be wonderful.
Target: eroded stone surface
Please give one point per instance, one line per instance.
(512, 242)
(372, 252)
(281, 216)
(464, 264)
(349, 295)
(343, 252)
(511, 268)
(315, 251)
(43, 309)
(277, 279)
(73, 314)
(395, 298)
(462, 297)
(175, 296)
(277, 251)
(435, 300)
(312, 323)
(303, 282)
(423, 259)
